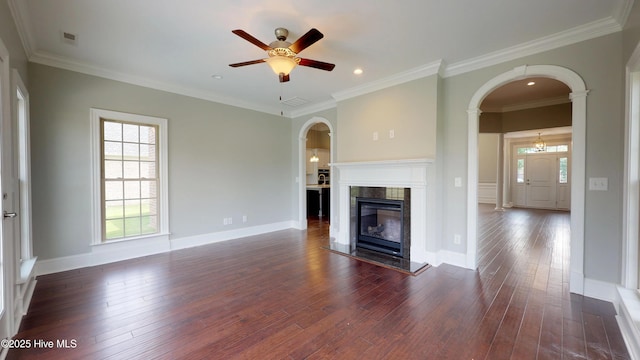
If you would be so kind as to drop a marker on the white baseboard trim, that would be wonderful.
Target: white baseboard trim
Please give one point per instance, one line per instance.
(198, 240)
(600, 290)
(629, 319)
(447, 257)
(104, 254)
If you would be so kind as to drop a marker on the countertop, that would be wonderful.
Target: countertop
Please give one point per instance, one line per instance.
(317, 186)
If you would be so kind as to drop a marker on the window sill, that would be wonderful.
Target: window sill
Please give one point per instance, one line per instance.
(152, 237)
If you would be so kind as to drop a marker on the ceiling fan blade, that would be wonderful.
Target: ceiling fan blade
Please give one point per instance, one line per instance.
(316, 64)
(247, 63)
(245, 35)
(306, 40)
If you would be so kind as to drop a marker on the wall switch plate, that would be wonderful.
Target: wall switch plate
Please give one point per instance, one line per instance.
(392, 134)
(244, 218)
(598, 184)
(375, 136)
(457, 182)
(456, 239)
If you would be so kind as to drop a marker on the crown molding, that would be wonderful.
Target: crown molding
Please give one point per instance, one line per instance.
(64, 63)
(577, 34)
(622, 11)
(397, 79)
(23, 25)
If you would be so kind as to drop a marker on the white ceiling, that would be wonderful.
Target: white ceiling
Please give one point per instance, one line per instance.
(178, 45)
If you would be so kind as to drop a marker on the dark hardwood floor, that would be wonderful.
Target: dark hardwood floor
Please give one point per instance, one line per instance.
(281, 296)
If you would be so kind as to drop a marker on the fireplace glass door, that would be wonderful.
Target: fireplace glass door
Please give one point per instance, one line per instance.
(380, 225)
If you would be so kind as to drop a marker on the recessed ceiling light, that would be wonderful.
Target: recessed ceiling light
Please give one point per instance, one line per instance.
(531, 83)
(358, 71)
(217, 77)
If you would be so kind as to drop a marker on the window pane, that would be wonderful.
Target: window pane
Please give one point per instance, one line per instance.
(112, 150)
(112, 131)
(147, 152)
(113, 190)
(149, 207)
(114, 229)
(552, 148)
(113, 209)
(131, 151)
(563, 148)
(112, 169)
(520, 171)
(149, 224)
(148, 189)
(147, 134)
(131, 170)
(131, 208)
(132, 226)
(563, 171)
(147, 170)
(130, 133)
(132, 189)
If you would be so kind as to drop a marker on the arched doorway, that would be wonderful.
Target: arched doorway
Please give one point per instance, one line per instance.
(578, 97)
(302, 165)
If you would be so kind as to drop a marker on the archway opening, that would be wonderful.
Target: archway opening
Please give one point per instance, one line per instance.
(578, 119)
(315, 173)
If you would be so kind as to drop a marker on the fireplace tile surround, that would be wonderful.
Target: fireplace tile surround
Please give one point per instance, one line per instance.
(367, 178)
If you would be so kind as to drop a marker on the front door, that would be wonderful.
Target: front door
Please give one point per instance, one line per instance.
(540, 175)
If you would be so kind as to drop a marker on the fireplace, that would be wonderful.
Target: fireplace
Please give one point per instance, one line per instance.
(380, 225)
(406, 180)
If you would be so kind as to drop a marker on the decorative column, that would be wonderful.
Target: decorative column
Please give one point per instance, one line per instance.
(500, 175)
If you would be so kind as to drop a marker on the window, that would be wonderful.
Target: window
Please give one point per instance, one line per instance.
(130, 187)
(549, 149)
(563, 173)
(520, 171)
(24, 168)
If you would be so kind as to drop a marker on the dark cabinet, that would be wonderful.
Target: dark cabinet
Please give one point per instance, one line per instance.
(318, 202)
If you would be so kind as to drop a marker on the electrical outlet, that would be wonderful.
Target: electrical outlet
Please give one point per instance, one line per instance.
(244, 218)
(457, 182)
(456, 239)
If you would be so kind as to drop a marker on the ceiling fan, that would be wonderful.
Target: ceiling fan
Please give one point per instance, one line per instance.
(283, 54)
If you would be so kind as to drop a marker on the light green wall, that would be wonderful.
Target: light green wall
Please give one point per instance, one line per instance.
(599, 63)
(487, 158)
(223, 161)
(409, 109)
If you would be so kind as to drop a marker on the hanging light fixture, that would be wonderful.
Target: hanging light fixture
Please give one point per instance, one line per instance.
(539, 144)
(314, 158)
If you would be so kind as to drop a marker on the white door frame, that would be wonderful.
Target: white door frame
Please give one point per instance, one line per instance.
(631, 186)
(578, 97)
(6, 226)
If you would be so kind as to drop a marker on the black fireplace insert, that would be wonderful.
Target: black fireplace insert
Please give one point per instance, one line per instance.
(380, 225)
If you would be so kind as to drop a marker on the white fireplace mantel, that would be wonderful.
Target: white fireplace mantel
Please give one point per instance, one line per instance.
(416, 174)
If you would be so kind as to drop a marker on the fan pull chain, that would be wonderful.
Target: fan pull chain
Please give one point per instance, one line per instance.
(281, 108)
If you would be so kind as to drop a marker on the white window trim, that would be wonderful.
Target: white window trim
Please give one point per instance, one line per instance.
(96, 200)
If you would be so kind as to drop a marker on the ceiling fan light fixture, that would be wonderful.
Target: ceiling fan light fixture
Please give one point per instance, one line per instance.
(282, 64)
